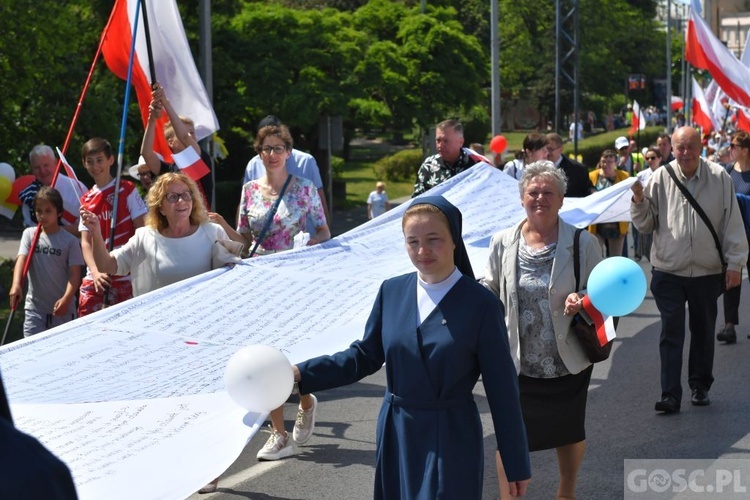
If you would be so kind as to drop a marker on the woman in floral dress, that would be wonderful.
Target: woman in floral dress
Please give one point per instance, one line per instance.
(299, 201)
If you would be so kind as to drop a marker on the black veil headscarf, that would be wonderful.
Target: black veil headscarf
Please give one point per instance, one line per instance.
(453, 214)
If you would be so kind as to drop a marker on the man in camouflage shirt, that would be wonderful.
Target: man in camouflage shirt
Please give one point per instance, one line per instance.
(451, 159)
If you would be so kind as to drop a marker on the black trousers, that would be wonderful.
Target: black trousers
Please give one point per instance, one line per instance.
(732, 300)
(671, 293)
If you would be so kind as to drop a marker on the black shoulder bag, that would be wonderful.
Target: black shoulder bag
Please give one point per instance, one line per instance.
(704, 218)
(584, 331)
(269, 217)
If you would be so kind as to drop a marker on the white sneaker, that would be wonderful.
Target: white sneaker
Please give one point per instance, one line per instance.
(305, 423)
(277, 447)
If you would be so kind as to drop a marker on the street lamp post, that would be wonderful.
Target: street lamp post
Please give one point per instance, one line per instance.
(495, 61)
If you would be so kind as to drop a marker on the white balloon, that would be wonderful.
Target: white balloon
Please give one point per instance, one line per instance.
(259, 378)
(7, 171)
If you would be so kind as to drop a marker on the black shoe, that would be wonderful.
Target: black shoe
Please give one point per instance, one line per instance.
(728, 335)
(700, 397)
(667, 404)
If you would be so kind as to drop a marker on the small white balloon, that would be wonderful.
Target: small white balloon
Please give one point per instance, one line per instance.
(259, 378)
(7, 171)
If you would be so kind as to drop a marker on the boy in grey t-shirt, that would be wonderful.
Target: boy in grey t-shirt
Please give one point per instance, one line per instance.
(55, 270)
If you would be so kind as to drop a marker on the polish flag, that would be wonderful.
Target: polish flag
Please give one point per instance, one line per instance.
(476, 156)
(71, 190)
(743, 119)
(638, 121)
(605, 325)
(677, 103)
(173, 62)
(702, 114)
(703, 50)
(190, 163)
(719, 102)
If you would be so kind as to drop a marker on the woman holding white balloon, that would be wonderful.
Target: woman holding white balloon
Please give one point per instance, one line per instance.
(531, 271)
(437, 330)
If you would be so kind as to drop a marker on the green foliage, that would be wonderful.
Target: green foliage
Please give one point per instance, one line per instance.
(476, 124)
(401, 166)
(228, 198)
(617, 37)
(337, 167)
(381, 64)
(45, 54)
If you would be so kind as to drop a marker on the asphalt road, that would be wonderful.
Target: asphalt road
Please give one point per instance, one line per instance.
(338, 461)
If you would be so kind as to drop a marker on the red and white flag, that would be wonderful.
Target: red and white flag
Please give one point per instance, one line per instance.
(638, 122)
(703, 116)
(677, 103)
(71, 190)
(605, 325)
(190, 163)
(703, 50)
(742, 117)
(173, 62)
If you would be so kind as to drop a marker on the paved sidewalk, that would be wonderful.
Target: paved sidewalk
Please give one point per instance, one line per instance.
(9, 245)
(346, 220)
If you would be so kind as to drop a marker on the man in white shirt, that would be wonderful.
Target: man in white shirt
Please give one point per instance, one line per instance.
(43, 162)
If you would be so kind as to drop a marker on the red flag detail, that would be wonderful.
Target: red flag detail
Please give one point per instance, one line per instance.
(703, 50)
(116, 51)
(172, 61)
(638, 121)
(743, 120)
(605, 327)
(190, 163)
(71, 190)
(702, 113)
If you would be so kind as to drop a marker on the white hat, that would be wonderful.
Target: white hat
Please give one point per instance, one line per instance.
(133, 171)
(621, 142)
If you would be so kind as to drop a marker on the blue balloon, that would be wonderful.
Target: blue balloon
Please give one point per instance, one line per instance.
(617, 286)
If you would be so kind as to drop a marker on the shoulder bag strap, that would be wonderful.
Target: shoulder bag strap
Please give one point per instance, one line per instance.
(699, 211)
(269, 218)
(576, 259)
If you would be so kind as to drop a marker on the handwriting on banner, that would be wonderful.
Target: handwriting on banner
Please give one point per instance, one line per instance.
(253, 305)
(123, 365)
(103, 444)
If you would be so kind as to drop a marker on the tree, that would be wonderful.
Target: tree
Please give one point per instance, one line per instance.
(45, 54)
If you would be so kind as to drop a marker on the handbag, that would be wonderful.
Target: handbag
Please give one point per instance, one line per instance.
(224, 252)
(694, 203)
(582, 328)
(269, 217)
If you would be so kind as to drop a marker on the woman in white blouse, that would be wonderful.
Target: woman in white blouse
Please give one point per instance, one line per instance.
(176, 243)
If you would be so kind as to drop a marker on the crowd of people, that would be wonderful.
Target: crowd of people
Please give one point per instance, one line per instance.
(512, 328)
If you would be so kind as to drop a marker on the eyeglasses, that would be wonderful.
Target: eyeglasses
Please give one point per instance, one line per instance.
(175, 197)
(649, 158)
(141, 175)
(266, 150)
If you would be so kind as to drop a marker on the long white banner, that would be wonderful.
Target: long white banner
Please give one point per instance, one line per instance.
(132, 397)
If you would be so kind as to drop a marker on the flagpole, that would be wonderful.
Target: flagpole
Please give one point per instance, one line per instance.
(71, 128)
(121, 147)
(149, 51)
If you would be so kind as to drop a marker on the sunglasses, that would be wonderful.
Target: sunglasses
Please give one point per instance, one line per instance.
(649, 158)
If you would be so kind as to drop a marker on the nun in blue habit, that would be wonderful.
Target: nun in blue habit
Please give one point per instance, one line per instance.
(437, 330)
